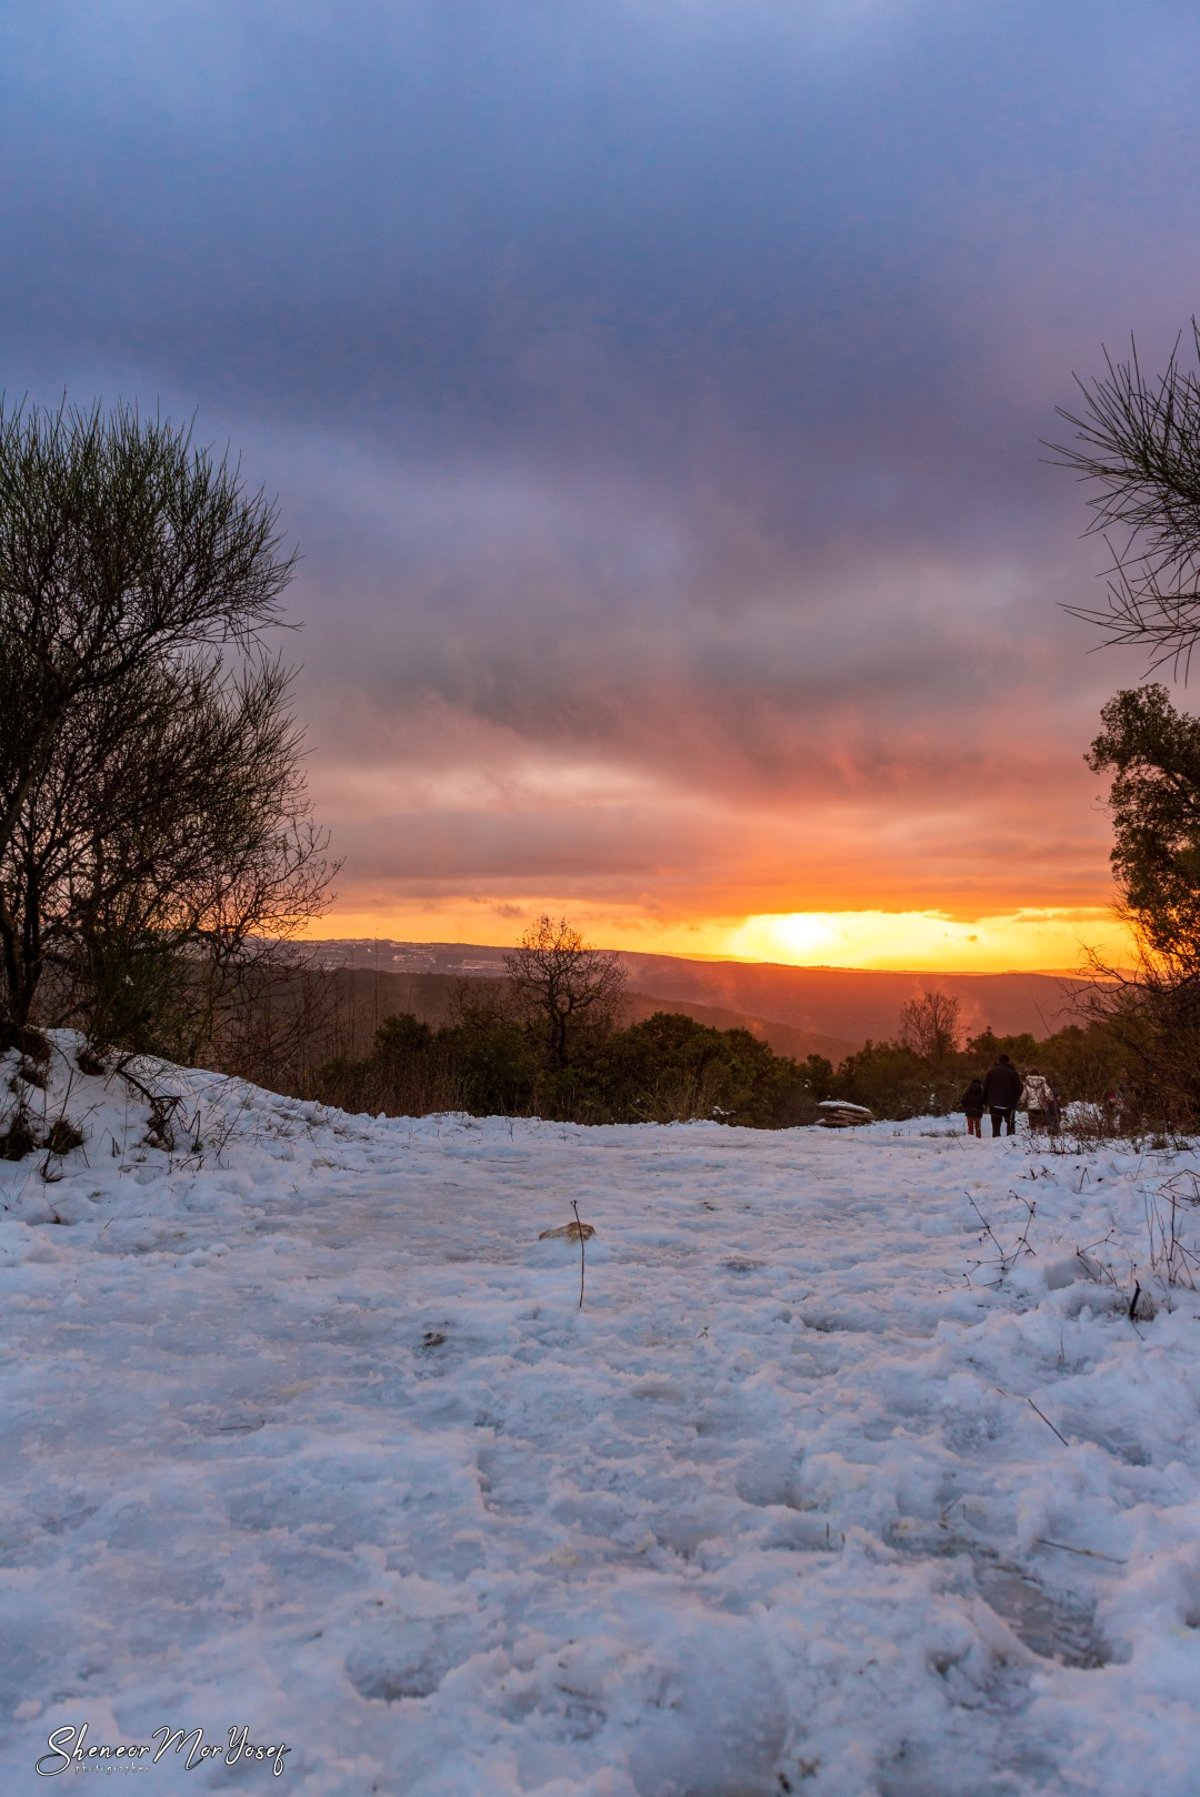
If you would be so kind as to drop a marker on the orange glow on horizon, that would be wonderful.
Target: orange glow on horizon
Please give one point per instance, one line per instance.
(1055, 938)
(1030, 940)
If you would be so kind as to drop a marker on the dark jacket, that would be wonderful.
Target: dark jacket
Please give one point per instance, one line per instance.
(972, 1100)
(1002, 1086)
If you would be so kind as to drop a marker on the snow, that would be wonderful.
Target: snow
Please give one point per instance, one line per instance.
(824, 1489)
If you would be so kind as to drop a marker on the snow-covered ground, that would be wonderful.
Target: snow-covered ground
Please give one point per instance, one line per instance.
(304, 1433)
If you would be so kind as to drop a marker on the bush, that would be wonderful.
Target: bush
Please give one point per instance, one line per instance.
(18, 1139)
(493, 1060)
(892, 1081)
(667, 1069)
(670, 1068)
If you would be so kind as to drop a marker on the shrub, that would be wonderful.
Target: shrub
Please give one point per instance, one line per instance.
(62, 1137)
(18, 1139)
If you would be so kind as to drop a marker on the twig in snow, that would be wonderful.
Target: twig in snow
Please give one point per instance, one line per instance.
(1007, 1257)
(987, 1226)
(1089, 1553)
(1041, 1413)
(1048, 1423)
(582, 1251)
(1175, 1262)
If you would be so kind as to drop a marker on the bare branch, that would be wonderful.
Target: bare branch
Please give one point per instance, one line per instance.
(1137, 442)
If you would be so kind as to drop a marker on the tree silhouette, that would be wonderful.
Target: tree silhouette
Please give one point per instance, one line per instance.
(562, 987)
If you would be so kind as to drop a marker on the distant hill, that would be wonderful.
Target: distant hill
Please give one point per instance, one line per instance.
(857, 1004)
(798, 1010)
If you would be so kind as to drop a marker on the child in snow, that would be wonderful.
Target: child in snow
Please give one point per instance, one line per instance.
(1037, 1098)
(1054, 1119)
(972, 1102)
(1114, 1107)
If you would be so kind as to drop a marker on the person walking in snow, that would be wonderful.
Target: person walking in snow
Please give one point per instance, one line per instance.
(1114, 1106)
(974, 1104)
(1054, 1119)
(1037, 1098)
(1002, 1093)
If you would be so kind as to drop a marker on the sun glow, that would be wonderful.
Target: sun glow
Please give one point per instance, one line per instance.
(1023, 940)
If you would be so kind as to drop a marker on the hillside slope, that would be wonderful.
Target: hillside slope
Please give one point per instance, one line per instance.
(308, 1434)
(361, 998)
(844, 1006)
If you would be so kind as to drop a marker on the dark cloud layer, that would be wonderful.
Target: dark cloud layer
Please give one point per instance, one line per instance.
(650, 388)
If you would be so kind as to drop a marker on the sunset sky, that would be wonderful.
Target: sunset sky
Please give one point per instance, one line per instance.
(654, 390)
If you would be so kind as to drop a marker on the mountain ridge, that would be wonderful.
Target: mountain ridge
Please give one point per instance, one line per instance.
(843, 1006)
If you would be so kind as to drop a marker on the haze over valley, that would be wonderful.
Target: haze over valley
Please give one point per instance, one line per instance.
(797, 1010)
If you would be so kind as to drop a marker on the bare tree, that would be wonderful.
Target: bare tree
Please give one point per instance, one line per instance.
(153, 820)
(1138, 444)
(931, 1026)
(562, 987)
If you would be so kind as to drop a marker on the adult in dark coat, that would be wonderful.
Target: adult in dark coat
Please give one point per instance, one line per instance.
(1001, 1093)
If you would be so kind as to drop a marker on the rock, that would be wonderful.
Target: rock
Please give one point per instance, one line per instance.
(839, 1113)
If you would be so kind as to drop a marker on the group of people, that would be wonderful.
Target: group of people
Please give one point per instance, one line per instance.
(1002, 1092)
